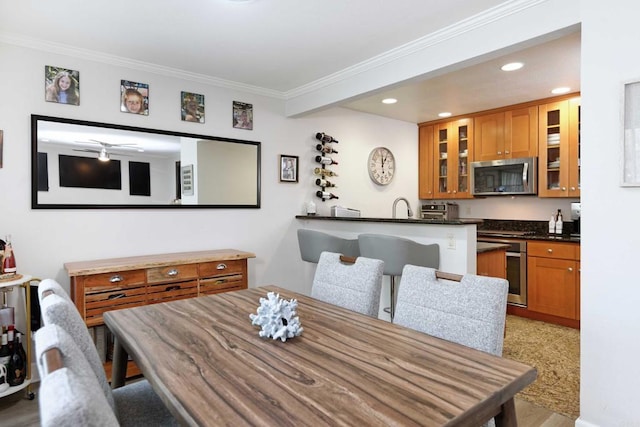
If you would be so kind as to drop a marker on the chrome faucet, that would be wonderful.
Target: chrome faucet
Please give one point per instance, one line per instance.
(395, 203)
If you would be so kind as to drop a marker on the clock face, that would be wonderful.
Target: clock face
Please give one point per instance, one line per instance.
(381, 165)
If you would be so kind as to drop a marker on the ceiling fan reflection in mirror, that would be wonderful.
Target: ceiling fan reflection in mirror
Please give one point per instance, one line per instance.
(103, 154)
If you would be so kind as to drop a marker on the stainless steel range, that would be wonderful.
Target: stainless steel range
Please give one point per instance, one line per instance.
(516, 260)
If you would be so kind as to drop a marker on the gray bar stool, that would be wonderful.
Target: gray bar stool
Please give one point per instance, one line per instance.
(312, 243)
(396, 252)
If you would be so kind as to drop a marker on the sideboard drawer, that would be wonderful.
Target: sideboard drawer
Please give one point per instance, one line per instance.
(113, 298)
(221, 268)
(222, 284)
(172, 273)
(160, 292)
(114, 280)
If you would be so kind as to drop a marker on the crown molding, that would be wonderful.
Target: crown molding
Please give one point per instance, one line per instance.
(91, 55)
(482, 19)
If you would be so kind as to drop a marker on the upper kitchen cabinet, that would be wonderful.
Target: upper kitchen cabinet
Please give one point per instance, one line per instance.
(425, 162)
(559, 147)
(453, 150)
(506, 135)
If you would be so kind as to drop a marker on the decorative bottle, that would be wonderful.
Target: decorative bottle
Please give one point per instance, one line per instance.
(326, 160)
(324, 195)
(325, 149)
(324, 183)
(552, 224)
(9, 259)
(559, 222)
(324, 172)
(5, 356)
(321, 136)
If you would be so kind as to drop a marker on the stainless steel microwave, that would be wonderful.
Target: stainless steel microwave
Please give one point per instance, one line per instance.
(504, 177)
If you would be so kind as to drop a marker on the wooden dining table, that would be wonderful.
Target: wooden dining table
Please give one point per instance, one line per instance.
(208, 364)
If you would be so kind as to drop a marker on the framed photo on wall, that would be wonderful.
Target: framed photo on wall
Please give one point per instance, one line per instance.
(134, 97)
(288, 168)
(61, 85)
(187, 180)
(242, 115)
(192, 107)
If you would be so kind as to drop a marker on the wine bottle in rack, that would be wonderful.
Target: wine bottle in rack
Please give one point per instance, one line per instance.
(324, 183)
(326, 160)
(321, 136)
(324, 195)
(324, 172)
(325, 149)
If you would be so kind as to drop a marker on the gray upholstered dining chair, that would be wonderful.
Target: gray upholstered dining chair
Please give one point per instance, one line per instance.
(471, 312)
(396, 252)
(312, 243)
(135, 403)
(355, 286)
(69, 393)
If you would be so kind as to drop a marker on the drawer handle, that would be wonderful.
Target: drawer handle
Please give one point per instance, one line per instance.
(550, 251)
(116, 296)
(115, 279)
(172, 288)
(172, 272)
(570, 270)
(221, 266)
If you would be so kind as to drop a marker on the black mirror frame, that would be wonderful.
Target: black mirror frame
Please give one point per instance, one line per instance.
(34, 167)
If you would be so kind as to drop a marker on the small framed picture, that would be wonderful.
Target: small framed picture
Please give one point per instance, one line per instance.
(242, 115)
(288, 168)
(61, 85)
(192, 107)
(187, 180)
(134, 97)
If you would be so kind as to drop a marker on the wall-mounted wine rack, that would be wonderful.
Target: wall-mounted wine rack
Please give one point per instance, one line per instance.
(325, 159)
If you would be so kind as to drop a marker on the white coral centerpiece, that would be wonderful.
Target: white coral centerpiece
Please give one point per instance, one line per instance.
(277, 317)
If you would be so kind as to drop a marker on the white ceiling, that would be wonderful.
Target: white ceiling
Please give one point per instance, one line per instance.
(279, 46)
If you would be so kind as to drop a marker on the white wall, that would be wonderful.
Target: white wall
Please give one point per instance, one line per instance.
(610, 294)
(45, 239)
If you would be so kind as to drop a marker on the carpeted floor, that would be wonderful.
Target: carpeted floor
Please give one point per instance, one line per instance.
(555, 352)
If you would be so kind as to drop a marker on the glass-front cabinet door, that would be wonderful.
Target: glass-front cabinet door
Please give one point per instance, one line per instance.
(559, 149)
(453, 152)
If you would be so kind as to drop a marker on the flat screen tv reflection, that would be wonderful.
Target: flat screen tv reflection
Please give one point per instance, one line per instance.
(88, 172)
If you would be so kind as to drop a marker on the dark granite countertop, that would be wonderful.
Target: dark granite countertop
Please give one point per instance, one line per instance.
(392, 220)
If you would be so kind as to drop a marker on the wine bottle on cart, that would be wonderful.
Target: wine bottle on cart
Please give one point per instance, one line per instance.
(16, 371)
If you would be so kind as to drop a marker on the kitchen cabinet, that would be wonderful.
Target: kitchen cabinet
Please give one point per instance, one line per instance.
(425, 162)
(559, 148)
(453, 150)
(553, 278)
(507, 134)
(492, 263)
(110, 284)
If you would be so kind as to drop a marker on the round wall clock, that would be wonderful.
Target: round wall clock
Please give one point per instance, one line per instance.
(381, 165)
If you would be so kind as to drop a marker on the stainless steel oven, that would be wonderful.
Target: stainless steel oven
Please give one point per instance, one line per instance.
(516, 262)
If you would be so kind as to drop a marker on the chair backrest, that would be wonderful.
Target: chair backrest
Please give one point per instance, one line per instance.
(312, 243)
(471, 312)
(69, 393)
(396, 252)
(354, 286)
(59, 311)
(51, 286)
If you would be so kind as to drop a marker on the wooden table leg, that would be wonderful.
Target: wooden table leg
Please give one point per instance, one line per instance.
(119, 368)
(507, 417)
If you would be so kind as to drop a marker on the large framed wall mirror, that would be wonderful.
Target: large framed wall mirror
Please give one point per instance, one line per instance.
(80, 164)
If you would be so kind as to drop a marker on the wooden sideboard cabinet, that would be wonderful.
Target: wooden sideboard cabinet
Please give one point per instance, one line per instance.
(109, 284)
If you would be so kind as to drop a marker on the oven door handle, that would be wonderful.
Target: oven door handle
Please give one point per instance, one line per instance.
(515, 254)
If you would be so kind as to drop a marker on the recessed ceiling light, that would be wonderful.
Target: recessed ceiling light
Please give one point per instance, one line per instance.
(444, 114)
(389, 101)
(512, 66)
(560, 90)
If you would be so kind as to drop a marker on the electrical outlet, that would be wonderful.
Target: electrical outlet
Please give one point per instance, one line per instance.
(451, 241)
